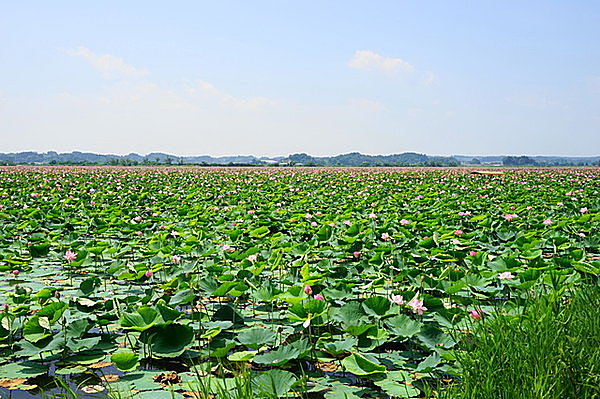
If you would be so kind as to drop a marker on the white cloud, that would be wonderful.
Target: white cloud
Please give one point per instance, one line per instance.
(370, 61)
(228, 99)
(109, 65)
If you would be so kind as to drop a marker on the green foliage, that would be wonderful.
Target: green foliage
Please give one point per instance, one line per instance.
(550, 350)
(371, 273)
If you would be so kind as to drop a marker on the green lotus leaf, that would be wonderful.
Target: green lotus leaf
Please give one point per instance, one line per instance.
(78, 328)
(377, 305)
(358, 329)
(89, 285)
(338, 347)
(53, 311)
(433, 337)
(25, 369)
(256, 337)
(273, 383)
(144, 318)
(351, 313)
(168, 340)
(167, 313)
(81, 344)
(182, 297)
(259, 232)
(242, 356)
(39, 250)
(398, 390)
(228, 313)
(125, 361)
(277, 357)
(71, 370)
(33, 331)
(360, 365)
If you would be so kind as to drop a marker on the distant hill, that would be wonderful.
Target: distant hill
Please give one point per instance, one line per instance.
(358, 159)
(77, 157)
(350, 159)
(300, 159)
(540, 160)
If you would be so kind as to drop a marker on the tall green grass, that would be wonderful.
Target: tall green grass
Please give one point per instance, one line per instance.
(550, 350)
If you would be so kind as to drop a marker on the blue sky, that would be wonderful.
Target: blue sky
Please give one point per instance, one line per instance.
(279, 77)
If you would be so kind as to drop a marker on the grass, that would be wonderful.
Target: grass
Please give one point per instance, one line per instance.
(550, 350)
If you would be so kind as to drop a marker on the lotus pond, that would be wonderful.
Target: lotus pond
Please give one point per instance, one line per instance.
(320, 283)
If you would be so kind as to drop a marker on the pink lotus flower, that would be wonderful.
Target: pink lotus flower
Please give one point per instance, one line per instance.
(397, 299)
(404, 222)
(510, 216)
(372, 216)
(251, 212)
(417, 306)
(385, 236)
(583, 210)
(253, 257)
(506, 276)
(332, 224)
(319, 297)
(472, 253)
(476, 314)
(148, 274)
(176, 259)
(459, 232)
(227, 248)
(214, 208)
(314, 224)
(16, 272)
(139, 233)
(307, 289)
(309, 216)
(34, 195)
(174, 233)
(356, 254)
(137, 219)
(347, 223)
(547, 222)
(70, 256)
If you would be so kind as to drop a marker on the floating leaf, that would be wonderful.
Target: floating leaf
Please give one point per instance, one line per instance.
(125, 361)
(360, 365)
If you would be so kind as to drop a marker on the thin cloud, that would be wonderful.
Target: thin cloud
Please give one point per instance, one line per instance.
(228, 99)
(109, 65)
(370, 61)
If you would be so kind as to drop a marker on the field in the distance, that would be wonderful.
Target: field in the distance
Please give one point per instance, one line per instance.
(324, 282)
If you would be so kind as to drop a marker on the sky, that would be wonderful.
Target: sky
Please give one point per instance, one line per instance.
(271, 78)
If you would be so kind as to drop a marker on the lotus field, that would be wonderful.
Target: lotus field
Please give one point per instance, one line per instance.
(274, 282)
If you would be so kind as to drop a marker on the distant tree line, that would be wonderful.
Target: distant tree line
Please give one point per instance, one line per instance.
(528, 161)
(519, 161)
